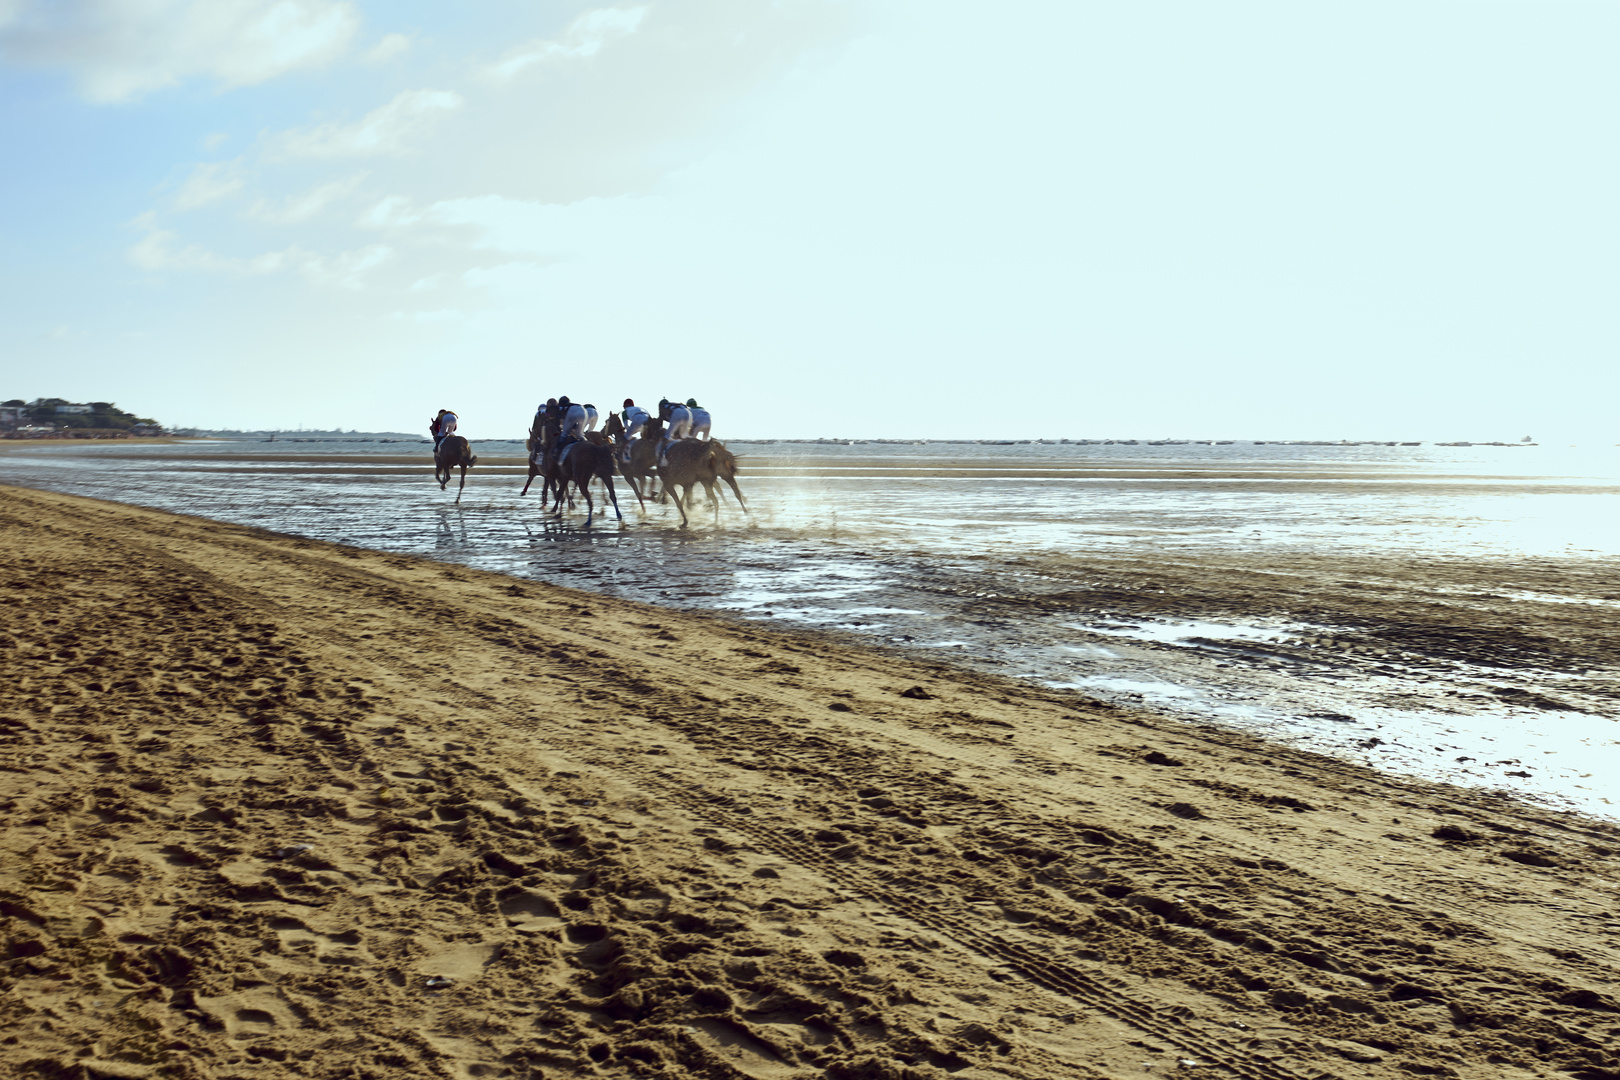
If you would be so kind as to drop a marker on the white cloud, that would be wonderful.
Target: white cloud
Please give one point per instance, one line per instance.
(346, 269)
(452, 189)
(120, 49)
(392, 129)
(584, 38)
(161, 249)
(391, 46)
(304, 205)
(440, 315)
(210, 182)
(394, 212)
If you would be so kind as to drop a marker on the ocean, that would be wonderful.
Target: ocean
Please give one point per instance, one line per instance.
(1038, 560)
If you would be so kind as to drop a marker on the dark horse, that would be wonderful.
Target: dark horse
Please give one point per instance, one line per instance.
(453, 452)
(689, 462)
(637, 458)
(540, 464)
(583, 462)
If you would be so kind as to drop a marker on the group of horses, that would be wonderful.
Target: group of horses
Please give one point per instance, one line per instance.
(686, 464)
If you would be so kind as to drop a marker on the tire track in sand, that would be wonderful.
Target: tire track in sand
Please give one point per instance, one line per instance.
(961, 926)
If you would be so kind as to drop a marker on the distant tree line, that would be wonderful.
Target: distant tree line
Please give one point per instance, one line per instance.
(100, 414)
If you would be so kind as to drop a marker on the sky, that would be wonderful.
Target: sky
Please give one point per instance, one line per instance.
(821, 218)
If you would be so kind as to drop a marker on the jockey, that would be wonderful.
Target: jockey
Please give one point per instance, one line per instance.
(700, 420)
(679, 419)
(537, 428)
(443, 425)
(540, 414)
(576, 421)
(635, 418)
(635, 421)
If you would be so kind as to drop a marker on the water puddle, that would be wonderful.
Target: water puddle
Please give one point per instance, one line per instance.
(926, 565)
(1190, 632)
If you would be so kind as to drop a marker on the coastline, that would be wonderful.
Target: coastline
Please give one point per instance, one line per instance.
(635, 838)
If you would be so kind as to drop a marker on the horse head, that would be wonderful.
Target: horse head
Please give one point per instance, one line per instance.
(725, 462)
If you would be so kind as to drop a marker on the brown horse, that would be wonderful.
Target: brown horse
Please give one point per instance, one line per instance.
(689, 462)
(581, 463)
(540, 464)
(637, 458)
(453, 452)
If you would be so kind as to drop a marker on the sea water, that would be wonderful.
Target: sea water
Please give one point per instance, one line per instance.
(899, 542)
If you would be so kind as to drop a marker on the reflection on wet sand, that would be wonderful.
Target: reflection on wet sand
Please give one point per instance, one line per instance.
(1440, 616)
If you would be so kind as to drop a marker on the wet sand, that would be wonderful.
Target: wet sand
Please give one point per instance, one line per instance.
(275, 807)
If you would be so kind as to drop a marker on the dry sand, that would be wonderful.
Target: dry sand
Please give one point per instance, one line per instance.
(280, 808)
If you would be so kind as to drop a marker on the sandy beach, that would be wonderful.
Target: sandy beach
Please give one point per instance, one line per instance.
(276, 807)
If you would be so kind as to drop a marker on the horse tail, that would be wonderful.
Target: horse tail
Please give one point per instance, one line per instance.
(528, 444)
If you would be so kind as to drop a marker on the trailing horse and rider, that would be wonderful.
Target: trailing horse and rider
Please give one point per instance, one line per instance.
(450, 451)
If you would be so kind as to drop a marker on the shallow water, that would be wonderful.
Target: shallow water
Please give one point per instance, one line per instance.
(904, 543)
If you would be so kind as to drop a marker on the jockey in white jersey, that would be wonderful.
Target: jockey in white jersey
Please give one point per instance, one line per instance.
(678, 424)
(576, 421)
(700, 419)
(635, 418)
(442, 426)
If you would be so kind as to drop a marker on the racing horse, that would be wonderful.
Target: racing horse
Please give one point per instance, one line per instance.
(637, 458)
(579, 464)
(453, 452)
(540, 464)
(690, 462)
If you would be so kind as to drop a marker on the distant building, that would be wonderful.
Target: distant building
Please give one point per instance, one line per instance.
(74, 409)
(13, 414)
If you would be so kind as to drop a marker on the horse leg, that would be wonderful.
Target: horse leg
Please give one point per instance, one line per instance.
(732, 483)
(529, 481)
(463, 486)
(674, 493)
(607, 482)
(590, 508)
